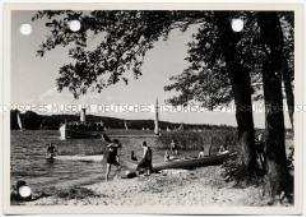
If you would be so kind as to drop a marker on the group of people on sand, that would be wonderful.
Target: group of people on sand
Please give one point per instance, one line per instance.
(222, 150)
(113, 158)
(174, 151)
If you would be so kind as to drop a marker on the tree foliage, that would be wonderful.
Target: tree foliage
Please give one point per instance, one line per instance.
(206, 79)
(125, 37)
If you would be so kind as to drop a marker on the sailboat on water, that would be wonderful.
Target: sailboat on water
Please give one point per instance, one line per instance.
(126, 126)
(156, 127)
(19, 122)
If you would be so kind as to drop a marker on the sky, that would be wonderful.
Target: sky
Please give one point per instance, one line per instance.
(33, 81)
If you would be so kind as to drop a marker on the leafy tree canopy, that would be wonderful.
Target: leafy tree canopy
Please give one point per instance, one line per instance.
(126, 36)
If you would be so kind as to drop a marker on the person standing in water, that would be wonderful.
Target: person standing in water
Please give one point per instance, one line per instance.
(112, 157)
(146, 161)
(51, 151)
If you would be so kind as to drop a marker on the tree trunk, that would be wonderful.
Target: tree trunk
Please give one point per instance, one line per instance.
(242, 90)
(277, 171)
(288, 90)
(244, 116)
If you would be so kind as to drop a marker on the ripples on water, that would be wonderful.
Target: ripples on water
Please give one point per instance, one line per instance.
(28, 162)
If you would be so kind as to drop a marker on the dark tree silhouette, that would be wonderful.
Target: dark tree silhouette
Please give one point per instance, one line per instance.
(241, 86)
(272, 36)
(31, 120)
(288, 60)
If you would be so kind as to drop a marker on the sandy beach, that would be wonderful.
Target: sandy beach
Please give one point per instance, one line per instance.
(199, 187)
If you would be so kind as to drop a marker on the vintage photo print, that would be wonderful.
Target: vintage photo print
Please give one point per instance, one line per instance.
(153, 108)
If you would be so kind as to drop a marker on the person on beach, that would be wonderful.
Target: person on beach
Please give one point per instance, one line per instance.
(201, 153)
(133, 156)
(166, 156)
(51, 151)
(173, 148)
(16, 194)
(146, 161)
(21, 192)
(222, 150)
(112, 157)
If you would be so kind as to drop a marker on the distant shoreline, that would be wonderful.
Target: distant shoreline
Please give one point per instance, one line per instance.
(34, 121)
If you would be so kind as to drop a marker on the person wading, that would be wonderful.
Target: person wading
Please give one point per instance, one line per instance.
(51, 151)
(112, 157)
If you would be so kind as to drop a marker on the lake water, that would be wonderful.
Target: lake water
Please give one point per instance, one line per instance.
(28, 162)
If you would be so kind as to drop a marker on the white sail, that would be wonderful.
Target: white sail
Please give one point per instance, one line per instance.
(126, 126)
(19, 122)
(181, 127)
(62, 131)
(156, 128)
(83, 115)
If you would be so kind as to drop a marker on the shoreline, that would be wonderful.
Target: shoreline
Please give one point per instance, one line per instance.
(199, 187)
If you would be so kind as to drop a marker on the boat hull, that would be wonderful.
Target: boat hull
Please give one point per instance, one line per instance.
(192, 163)
(184, 164)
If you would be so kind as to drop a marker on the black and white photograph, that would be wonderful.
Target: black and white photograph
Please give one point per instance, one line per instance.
(153, 110)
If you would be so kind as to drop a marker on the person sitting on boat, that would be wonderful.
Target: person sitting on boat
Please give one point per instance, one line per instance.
(222, 150)
(51, 151)
(173, 147)
(146, 161)
(201, 153)
(112, 157)
(166, 156)
(133, 156)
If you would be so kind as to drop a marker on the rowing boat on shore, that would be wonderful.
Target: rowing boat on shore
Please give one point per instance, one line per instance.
(193, 162)
(183, 163)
